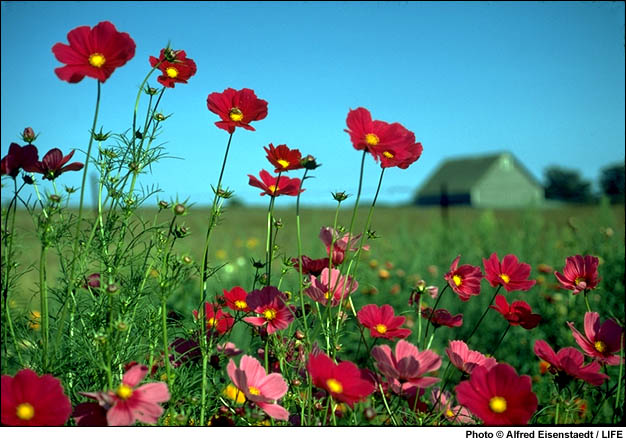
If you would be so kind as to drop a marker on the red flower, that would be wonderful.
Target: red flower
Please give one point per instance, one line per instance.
(510, 273)
(382, 322)
(95, 53)
(498, 396)
(465, 359)
(465, 281)
(580, 273)
(236, 299)
(570, 362)
(442, 317)
(269, 303)
(216, 319)
(52, 164)
(237, 108)
(345, 382)
(518, 313)
(601, 342)
(30, 400)
(342, 244)
(283, 158)
(18, 158)
(309, 266)
(274, 186)
(334, 288)
(175, 66)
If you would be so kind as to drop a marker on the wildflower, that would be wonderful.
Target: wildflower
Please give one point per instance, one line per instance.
(251, 379)
(406, 369)
(229, 349)
(129, 403)
(216, 319)
(175, 68)
(443, 404)
(580, 273)
(601, 341)
(517, 313)
(231, 392)
(334, 288)
(465, 359)
(53, 164)
(18, 158)
(382, 322)
(93, 52)
(31, 400)
(236, 299)
(237, 108)
(510, 273)
(342, 244)
(498, 396)
(569, 362)
(283, 158)
(269, 303)
(92, 281)
(312, 267)
(345, 382)
(464, 280)
(275, 186)
(189, 350)
(442, 317)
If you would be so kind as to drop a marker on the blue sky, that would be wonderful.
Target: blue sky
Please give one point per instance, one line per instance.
(544, 81)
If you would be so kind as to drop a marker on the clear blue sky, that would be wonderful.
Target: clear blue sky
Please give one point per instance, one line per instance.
(542, 80)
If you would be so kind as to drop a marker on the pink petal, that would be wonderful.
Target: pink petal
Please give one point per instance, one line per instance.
(134, 375)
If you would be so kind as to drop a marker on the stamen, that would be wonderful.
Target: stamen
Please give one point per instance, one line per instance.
(124, 391)
(97, 59)
(334, 386)
(381, 328)
(25, 411)
(269, 314)
(505, 278)
(457, 280)
(497, 404)
(371, 139)
(171, 72)
(235, 114)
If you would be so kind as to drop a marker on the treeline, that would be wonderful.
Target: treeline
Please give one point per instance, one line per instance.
(569, 186)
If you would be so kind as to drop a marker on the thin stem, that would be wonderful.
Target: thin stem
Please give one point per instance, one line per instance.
(43, 300)
(382, 394)
(269, 248)
(166, 354)
(483, 316)
(587, 301)
(299, 240)
(621, 375)
(433, 311)
(493, 352)
(358, 193)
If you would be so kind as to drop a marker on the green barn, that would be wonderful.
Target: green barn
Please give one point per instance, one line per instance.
(493, 181)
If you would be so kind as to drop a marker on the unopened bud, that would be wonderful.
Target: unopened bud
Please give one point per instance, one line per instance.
(300, 335)
(163, 205)
(309, 162)
(179, 209)
(55, 198)
(112, 288)
(160, 117)
(340, 196)
(181, 231)
(122, 326)
(170, 55)
(29, 135)
(27, 179)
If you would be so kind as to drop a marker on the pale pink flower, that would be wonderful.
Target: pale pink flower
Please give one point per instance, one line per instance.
(443, 404)
(342, 244)
(338, 288)
(465, 359)
(229, 349)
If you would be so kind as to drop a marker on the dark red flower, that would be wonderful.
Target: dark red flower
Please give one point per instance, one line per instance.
(382, 322)
(53, 164)
(601, 341)
(94, 53)
(569, 361)
(517, 313)
(442, 317)
(237, 108)
(175, 66)
(274, 186)
(269, 303)
(236, 299)
(310, 266)
(216, 319)
(464, 280)
(90, 415)
(580, 273)
(511, 274)
(18, 158)
(345, 382)
(30, 400)
(498, 396)
(189, 350)
(283, 158)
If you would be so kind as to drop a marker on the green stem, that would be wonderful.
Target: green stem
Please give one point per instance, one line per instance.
(358, 194)
(433, 311)
(382, 394)
(587, 301)
(619, 378)
(299, 240)
(483, 316)
(43, 300)
(493, 352)
(166, 353)
(269, 247)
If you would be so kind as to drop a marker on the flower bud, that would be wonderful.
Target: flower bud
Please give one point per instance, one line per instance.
(309, 162)
(340, 196)
(27, 179)
(160, 117)
(29, 135)
(112, 288)
(55, 198)
(179, 209)
(151, 90)
(163, 205)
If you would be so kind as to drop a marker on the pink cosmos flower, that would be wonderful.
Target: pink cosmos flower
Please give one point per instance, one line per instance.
(570, 362)
(465, 359)
(342, 244)
(601, 341)
(312, 267)
(406, 369)
(442, 317)
(216, 319)
(464, 280)
(269, 303)
(229, 349)
(580, 273)
(517, 313)
(511, 274)
(443, 404)
(275, 186)
(129, 403)
(336, 289)
(251, 379)
(382, 322)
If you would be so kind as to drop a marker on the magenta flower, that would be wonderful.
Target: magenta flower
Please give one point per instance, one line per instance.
(312, 267)
(382, 322)
(442, 317)
(580, 273)
(509, 273)
(465, 359)
(342, 244)
(405, 370)
(251, 379)
(338, 288)
(570, 362)
(517, 313)
(18, 158)
(269, 303)
(464, 280)
(53, 164)
(601, 341)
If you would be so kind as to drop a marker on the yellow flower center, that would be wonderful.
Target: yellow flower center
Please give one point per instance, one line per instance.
(497, 404)
(388, 155)
(371, 139)
(97, 60)
(328, 295)
(505, 278)
(600, 346)
(211, 323)
(273, 188)
(283, 163)
(381, 328)
(124, 392)
(253, 390)
(171, 72)
(235, 114)
(457, 280)
(334, 386)
(269, 314)
(579, 280)
(449, 413)
(25, 411)
(234, 394)
(240, 304)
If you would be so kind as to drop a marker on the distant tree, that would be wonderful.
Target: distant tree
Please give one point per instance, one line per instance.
(612, 182)
(567, 185)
